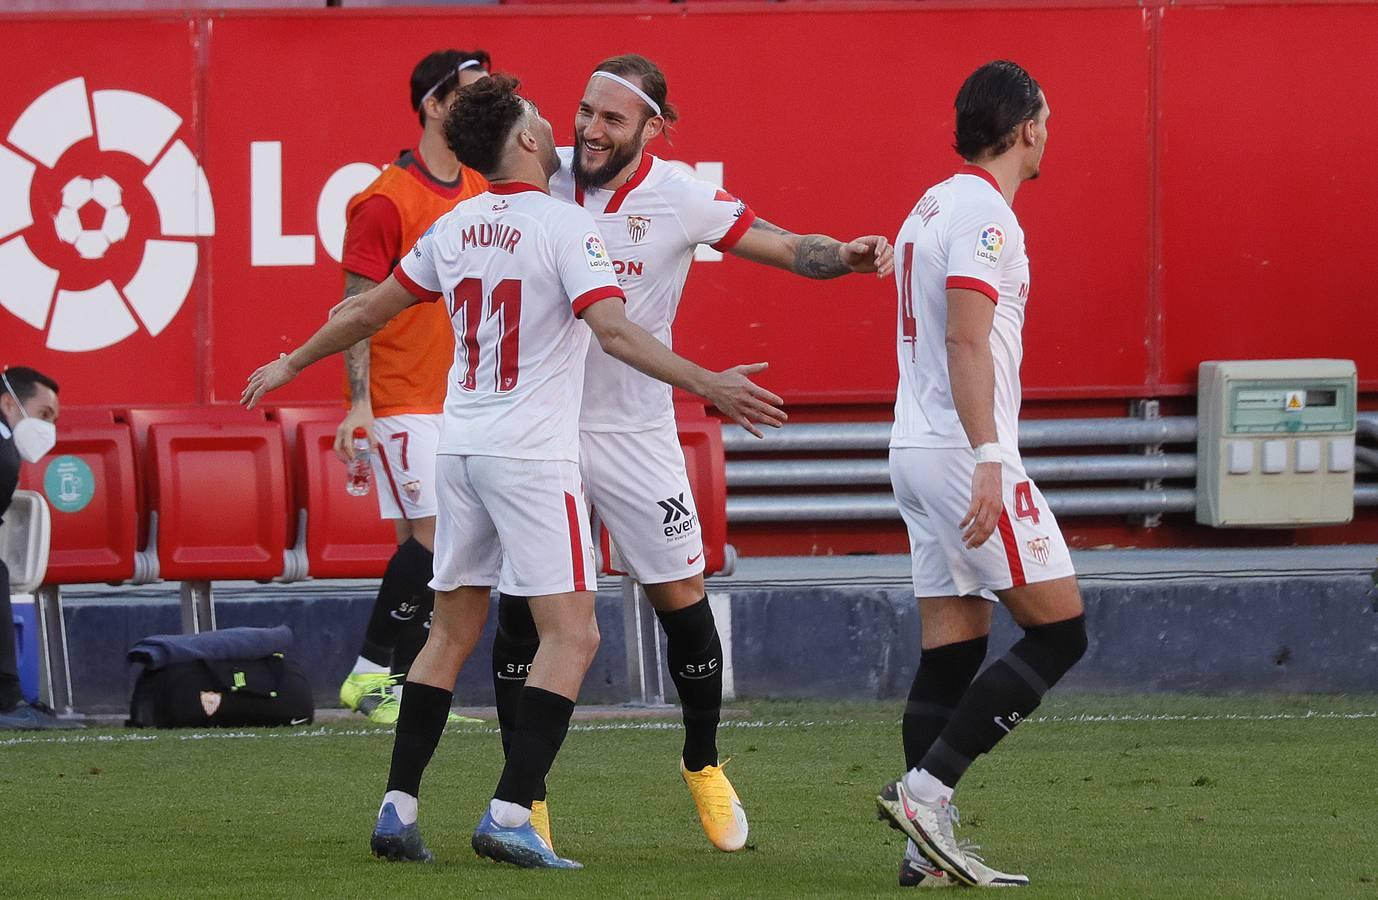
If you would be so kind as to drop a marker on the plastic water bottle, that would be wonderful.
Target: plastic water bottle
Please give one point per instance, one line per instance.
(359, 477)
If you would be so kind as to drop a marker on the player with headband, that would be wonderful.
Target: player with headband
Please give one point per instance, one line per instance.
(395, 381)
(653, 215)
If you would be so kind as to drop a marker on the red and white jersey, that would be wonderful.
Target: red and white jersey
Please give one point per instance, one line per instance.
(515, 268)
(962, 234)
(651, 225)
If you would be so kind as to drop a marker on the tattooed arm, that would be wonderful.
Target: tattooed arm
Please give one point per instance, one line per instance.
(814, 255)
(356, 358)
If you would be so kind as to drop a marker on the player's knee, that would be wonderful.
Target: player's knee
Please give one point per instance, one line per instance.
(1052, 649)
(515, 622)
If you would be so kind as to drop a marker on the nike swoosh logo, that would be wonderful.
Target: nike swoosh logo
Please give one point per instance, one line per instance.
(300, 721)
(402, 618)
(693, 559)
(697, 677)
(1002, 724)
(511, 677)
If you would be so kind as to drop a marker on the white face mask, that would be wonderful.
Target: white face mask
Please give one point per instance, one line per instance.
(33, 438)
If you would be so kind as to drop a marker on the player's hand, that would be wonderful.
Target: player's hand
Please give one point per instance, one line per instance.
(742, 400)
(357, 417)
(871, 253)
(267, 378)
(986, 505)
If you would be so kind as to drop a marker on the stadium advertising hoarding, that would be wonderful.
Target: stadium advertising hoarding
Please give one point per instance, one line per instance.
(172, 186)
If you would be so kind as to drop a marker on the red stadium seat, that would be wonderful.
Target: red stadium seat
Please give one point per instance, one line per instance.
(89, 481)
(220, 492)
(705, 463)
(345, 538)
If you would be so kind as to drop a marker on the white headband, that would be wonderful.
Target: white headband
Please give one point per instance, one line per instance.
(655, 107)
(467, 64)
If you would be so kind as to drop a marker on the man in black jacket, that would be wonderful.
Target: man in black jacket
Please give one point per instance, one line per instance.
(28, 411)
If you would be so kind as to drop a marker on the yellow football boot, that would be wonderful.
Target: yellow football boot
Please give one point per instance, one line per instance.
(720, 812)
(540, 820)
(360, 684)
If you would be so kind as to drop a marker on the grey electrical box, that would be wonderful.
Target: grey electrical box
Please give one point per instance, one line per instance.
(1275, 442)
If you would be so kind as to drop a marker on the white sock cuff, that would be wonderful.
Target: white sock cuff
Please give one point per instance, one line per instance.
(508, 814)
(404, 803)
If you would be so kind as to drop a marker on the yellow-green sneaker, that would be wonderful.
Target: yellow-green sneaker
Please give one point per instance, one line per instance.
(360, 683)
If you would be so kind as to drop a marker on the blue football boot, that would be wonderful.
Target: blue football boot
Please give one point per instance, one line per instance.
(520, 846)
(397, 842)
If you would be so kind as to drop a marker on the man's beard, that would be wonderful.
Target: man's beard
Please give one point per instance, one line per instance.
(618, 158)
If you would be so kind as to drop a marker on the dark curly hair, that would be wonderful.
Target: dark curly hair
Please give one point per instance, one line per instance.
(481, 120)
(992, 102)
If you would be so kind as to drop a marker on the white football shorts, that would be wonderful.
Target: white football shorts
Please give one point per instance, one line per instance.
(639, 492)
(520, 524)
(933, 488)
(404, 465)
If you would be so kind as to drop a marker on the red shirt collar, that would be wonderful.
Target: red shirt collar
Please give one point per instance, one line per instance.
(981, 173)
(513, 187)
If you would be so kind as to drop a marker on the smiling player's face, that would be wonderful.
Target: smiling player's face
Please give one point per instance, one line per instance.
(609, 132)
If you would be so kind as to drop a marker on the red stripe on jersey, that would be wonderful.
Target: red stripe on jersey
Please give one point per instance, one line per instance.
(513, 187)
(967, 283)
(576, 542)
(983, 175)
(588, 298)
(1011, 549)
(412, 287)
(734, 234)
(615, 202)
(387, 470)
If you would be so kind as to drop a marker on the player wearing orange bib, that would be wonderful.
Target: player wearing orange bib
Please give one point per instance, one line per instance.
(395, 381)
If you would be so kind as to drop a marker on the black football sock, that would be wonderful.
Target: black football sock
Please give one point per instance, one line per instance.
(10, 693)
(514, 647)
(694, 654)
(412, 635)
(408, 574)
(944, 674)
(542, 721)
(420, 722)
(1004, 695)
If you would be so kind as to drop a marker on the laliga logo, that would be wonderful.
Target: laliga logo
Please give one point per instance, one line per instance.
(94, 217)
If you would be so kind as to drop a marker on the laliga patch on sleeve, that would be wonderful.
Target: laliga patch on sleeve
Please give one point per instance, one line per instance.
(596, 253)
(989, 242)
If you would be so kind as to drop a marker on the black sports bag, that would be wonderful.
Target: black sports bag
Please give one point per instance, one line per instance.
(203, 693)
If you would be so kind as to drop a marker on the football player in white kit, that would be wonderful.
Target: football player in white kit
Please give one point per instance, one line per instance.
(517, 271)
(653, 215)
(978, 527)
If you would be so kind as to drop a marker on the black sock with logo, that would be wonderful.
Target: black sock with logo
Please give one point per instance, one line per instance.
(407, 577)
(694, 654)
(413, 633)
(1004, 695)
(514, 647)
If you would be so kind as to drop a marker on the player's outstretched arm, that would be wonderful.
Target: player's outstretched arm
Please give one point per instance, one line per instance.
(731, 391)
(355, 320)
(357, 361)
(971, 369)
(815, 255)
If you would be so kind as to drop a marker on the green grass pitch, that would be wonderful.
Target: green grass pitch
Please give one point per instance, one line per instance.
(1094, 797)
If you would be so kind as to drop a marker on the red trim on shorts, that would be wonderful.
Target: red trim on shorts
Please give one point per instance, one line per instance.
(576, 543)
(605, 544)
(967, 283)
(387, 470)
(1011, 549)
(412, 287)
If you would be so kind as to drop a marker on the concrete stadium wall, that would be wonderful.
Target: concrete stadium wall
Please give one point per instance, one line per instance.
(1309, 634)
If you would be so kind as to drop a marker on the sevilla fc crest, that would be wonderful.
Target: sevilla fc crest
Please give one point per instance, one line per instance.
(637, 226)
(210, 702)
(1038, 547)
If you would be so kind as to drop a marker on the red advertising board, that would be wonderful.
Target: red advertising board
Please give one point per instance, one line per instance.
(1191, 195)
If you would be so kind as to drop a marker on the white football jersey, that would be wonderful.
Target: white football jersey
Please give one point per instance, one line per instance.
(962, 234)
(515, 268)
(651, 225)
